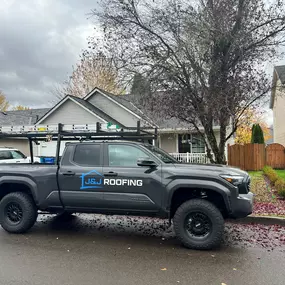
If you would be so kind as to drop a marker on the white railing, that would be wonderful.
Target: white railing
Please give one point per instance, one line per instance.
(200, 158)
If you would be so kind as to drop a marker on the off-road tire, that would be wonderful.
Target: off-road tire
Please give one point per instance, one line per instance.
(215, 217)
(28, 209)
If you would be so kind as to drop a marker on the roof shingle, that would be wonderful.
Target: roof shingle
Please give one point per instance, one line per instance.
(22, 117)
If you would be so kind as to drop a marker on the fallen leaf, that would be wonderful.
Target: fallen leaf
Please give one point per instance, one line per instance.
(163, 269)
(223, 284)
(234, 269)
(213, 255)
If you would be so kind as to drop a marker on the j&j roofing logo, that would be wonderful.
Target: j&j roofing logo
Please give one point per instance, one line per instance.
(92, 180)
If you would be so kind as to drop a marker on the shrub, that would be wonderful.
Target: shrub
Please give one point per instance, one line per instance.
(271, 174)
(280, 187)
(257, 135)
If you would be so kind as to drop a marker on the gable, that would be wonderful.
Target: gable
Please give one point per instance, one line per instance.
(70, 112)
(114, 109)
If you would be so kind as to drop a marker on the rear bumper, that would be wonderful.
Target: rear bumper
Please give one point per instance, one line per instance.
(242, 206)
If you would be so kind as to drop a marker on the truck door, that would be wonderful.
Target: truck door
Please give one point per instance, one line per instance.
(80, 176)
(127, 186)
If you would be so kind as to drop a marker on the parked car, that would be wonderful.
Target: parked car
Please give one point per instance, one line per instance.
(12, 155)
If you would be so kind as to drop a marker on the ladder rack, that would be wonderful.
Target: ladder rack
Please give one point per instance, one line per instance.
(54, 129)
(60, 132)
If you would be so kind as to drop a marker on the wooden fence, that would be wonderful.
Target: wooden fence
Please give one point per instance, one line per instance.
(256, 156)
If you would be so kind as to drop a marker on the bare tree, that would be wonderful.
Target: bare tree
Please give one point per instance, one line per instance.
(93, 70)
(206, 55)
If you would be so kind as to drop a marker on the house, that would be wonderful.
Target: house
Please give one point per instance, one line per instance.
(100, 106)
(277, 104)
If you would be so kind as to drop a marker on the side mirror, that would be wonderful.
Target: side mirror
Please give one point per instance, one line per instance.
(146, 161)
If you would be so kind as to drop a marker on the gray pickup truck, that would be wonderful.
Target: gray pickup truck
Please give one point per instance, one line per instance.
(127, 178)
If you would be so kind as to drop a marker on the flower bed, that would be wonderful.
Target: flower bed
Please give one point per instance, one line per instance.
(276, 180)
(267, 201)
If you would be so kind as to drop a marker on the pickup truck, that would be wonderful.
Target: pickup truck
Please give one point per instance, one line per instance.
(127, 178)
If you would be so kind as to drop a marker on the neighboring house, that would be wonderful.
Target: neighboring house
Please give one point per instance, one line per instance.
(271, 139)
(16, 118)
(100, 106)
(277, 104)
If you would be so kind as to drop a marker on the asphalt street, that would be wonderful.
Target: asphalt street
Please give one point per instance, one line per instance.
(89, 249)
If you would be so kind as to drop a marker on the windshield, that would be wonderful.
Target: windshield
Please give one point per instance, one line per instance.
(164, 156)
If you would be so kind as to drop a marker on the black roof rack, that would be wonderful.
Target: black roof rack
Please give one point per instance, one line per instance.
(69, 132)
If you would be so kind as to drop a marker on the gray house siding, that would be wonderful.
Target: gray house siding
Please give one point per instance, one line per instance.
(70, 113)
(169, 142)
(113, 110)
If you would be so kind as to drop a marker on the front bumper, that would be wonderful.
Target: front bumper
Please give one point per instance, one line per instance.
(242, 206)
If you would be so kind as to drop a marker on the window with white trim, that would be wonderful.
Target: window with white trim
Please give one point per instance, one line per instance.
(192, 143)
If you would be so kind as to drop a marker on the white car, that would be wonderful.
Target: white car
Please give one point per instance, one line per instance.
(12, 155)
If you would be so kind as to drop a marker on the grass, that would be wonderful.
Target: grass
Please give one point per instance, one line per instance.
(281, 173)
(255, 174)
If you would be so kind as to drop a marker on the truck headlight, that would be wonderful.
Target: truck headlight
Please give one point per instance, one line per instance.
(233, 179)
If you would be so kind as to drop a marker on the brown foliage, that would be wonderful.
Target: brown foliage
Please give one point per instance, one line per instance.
(93, 70)
(20, 108)
(4, 104)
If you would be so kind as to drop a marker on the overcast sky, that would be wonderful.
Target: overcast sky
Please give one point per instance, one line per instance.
(40, 40)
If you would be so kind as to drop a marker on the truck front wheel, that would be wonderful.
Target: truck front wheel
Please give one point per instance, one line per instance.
(199, 224)
(18, 212)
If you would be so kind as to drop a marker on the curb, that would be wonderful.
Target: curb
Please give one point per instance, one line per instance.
(264, 220)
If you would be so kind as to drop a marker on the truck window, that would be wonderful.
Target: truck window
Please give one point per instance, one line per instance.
(124, 155)
(87, 154)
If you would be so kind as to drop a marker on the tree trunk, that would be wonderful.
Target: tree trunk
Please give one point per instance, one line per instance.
(218, 150)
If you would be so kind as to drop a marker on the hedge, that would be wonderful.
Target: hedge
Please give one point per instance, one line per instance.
(277, 181)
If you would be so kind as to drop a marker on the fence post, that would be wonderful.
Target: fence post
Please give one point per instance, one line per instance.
(187, 157)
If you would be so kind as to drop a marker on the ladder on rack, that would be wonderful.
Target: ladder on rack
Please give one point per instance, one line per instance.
(61, 132)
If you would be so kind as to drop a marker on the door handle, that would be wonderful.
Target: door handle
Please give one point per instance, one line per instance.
(68, 173)
(111, 173)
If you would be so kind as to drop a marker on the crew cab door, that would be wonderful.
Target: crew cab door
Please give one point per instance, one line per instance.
(80, 176)
(127, 186)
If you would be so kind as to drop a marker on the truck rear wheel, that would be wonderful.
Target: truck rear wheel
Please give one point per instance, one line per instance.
(18, 212)
(198, 224)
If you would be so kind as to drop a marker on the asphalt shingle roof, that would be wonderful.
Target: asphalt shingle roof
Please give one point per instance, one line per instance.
(130, 101)
(23, 117)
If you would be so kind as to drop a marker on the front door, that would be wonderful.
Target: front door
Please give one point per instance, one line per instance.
(127, 186)
(80, 177)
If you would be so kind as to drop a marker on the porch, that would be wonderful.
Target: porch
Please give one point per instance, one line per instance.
(185, 147)
(200, 158)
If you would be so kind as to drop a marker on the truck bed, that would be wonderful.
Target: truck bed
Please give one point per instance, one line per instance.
(41, 179)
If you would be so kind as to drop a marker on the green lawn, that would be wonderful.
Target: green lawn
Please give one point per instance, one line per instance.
(255, 174)
(281, 173)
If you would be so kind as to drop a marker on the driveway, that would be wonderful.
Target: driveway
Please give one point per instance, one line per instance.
(89, 249)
